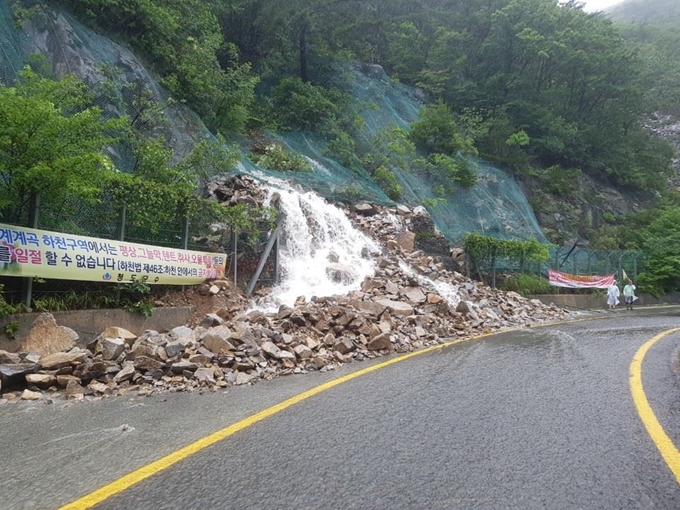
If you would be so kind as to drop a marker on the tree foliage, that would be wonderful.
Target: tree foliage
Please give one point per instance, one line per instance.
(525, 82)
(52, 143)
(183, 41)
(303, 105)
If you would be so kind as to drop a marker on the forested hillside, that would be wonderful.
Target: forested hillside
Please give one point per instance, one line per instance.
(547, 91)
(652, 27)
(529, 81)
(646, 11)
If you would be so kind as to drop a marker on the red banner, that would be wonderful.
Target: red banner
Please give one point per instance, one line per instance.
(577, 281)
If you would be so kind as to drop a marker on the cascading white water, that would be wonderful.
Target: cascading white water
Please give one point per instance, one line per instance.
(445, 289)
(396, 222)
(320, 252)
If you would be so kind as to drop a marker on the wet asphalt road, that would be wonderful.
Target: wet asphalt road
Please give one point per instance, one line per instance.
(540, 418)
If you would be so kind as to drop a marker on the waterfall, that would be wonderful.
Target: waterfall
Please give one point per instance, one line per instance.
(320, 251)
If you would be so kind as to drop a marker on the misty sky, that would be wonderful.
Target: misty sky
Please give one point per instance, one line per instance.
(598, 5)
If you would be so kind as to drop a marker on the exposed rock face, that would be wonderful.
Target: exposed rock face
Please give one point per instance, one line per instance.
(667, 127)
(74, 49)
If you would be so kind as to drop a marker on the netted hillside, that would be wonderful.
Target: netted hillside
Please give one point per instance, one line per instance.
(495, 205)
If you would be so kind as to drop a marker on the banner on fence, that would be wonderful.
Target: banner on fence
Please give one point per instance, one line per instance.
(39, 253)
(577, 281)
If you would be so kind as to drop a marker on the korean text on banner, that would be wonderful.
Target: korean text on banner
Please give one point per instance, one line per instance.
(575, 281)
(43, 254)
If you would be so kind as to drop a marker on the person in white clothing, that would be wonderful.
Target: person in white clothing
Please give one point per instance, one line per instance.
(613, 294)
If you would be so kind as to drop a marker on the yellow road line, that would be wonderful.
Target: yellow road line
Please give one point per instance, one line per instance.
(163, 463)
(133, 478)
(668, 450)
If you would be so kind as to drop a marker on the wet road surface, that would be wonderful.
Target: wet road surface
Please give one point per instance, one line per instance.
(539, 418)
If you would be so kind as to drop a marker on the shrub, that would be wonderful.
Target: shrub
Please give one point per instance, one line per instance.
(388, 182)
(527, 284)
(275, 156)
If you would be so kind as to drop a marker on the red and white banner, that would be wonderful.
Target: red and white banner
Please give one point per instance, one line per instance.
(577, 281)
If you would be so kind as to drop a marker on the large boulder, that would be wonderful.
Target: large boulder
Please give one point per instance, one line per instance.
(16, 373)
(397, 307)
(47, 337)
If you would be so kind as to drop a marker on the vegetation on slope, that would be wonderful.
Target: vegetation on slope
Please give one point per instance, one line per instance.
(531, 81)
(646, 11)
(529, 84)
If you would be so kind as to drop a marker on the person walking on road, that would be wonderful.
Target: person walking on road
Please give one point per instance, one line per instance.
(613, 294)
(629, 294)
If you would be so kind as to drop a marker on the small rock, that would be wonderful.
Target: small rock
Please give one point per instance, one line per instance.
(211, 320)
(42, 381)
(9, 358)
(380, 342)
(125, 374)
(31, 395)
(111, 348)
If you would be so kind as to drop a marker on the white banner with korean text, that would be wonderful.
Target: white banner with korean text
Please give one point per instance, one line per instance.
(29, 252)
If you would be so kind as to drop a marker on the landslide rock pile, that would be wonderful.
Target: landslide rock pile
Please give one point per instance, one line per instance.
(412, 301)
(407, 305)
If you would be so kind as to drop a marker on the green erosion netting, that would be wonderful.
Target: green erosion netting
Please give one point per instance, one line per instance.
(495, 206)
(14, 46)
(329, 178)
(119, 84)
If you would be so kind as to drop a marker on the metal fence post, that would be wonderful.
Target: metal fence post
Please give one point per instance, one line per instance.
(120, 228)
(276, 258)
(235, 241)
(185, 237)
(27, 283)
(609, 263)
(120, 234)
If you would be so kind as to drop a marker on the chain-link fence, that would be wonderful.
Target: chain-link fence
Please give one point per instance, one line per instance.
(584, 261)
(243, 249)
(577, 260)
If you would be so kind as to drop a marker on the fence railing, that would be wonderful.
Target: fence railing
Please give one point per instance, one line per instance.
(576, 260)
(107, 221)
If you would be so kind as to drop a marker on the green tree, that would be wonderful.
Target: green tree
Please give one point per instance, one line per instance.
(52, 143)
(437, 131)
(407, 49)
(662, 258)
(303, 105)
